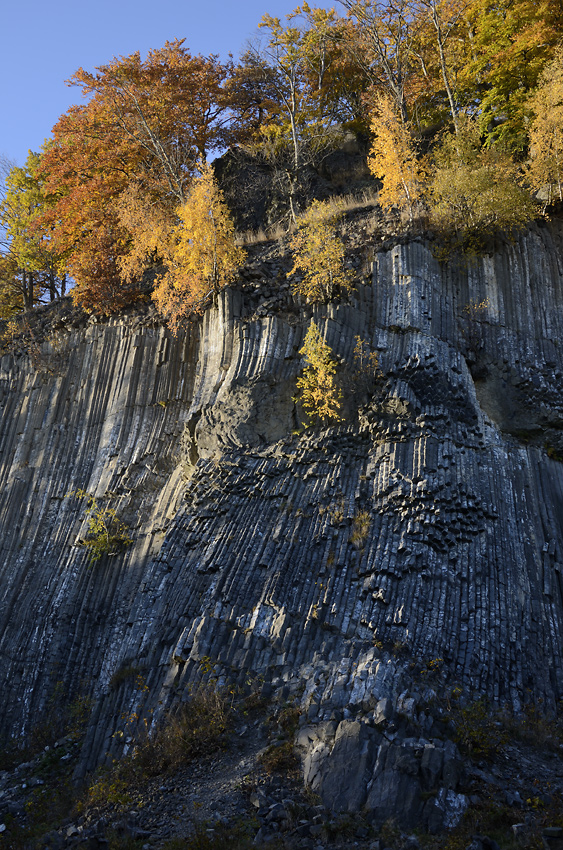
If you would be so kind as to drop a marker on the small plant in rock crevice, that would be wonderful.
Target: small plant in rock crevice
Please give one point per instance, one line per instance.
(473, 315)
(106, 534)
(360, 529)
(362, 376)
(553, 452)
(123, 674)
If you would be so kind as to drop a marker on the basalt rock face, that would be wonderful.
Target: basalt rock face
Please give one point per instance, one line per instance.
(247, 558)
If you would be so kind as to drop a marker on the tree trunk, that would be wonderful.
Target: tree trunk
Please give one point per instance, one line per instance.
(28, 295)
(443, 65)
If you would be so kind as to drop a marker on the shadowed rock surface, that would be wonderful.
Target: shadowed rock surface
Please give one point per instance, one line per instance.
(243, 563)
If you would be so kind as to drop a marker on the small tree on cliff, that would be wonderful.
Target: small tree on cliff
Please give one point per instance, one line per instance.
(393, 159)
(202, 257)
(318, 253)
(320, 394)
(474, 190)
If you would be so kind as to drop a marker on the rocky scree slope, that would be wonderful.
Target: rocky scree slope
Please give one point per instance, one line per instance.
(242, 564)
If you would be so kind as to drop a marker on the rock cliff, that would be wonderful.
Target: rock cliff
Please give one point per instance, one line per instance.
(244, 563)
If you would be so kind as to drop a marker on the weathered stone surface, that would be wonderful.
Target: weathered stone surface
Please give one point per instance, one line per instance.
(243, 564)
(341, 777)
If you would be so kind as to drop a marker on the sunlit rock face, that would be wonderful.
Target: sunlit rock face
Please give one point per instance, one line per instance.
(246, 559)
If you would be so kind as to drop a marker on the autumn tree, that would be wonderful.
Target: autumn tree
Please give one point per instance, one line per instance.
(251, 91)
(13, 287)
(443, 27)
(335, 80)
(321, 396)
(383, 41)
(201, 252)
(169, 108)
(475, 190)
(11, 296)
(393, 159)
(318, 253)
(511, 42)
(86, 168)
(42, 270)
(298, 123)
(546, 132)
(150, 223)
(146, 121)
(6, 165)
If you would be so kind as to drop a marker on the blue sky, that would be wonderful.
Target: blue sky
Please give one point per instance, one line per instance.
(44, 41)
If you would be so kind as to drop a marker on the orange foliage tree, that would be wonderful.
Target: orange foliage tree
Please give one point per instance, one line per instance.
(145, 121)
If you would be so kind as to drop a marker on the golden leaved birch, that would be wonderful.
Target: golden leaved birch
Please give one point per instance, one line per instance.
(151, 227)
(393, 159)
(321, 396)
(318, 254)
(203, 255)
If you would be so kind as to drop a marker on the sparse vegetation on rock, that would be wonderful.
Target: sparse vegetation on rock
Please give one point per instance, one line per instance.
(320, 394)
(106, 533)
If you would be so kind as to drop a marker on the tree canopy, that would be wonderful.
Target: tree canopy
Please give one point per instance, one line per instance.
(201, 253)
(318, 254)
(109, 193)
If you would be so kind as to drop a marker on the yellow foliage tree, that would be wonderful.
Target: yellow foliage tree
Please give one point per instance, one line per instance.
(151, 226)
(318, 254)
(475, 190)
(393, 159)
(546, 132)
(202, 254)
(321, 396)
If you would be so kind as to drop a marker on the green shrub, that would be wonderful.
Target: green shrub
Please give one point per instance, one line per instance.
(474, 191)
(198, 727)
(127, 671)
(109, 787)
